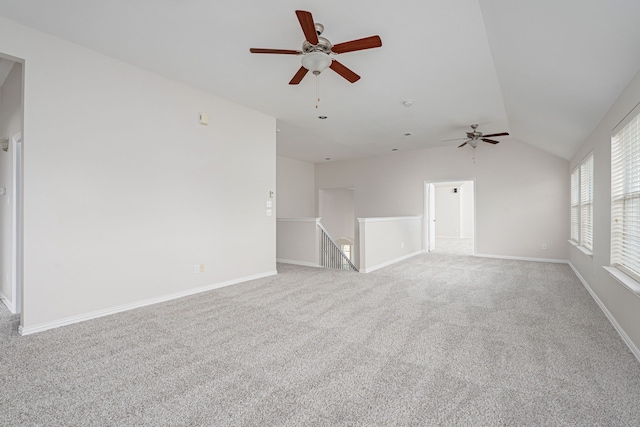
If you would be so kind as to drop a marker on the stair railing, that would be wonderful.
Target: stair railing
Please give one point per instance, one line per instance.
(331, 255)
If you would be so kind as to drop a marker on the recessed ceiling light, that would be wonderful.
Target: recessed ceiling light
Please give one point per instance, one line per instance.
(322, 117)
(277, 130)
(407, 134)
(407, 103)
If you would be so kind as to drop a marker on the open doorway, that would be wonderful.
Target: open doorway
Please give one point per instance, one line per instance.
(449, 223)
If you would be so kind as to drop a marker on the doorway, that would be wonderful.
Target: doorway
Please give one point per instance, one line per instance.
(11, 125)
(449, 217)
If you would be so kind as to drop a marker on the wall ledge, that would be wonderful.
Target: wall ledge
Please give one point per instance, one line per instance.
(389, 218)
(624, 280)
(139, 304)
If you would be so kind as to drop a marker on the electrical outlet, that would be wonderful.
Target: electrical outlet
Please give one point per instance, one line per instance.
(544, 246)
(201, 268)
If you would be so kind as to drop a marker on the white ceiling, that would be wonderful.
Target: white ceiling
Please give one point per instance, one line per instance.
(545, 70)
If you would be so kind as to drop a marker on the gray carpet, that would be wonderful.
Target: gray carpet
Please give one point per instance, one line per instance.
(453, 246)
(435, 340)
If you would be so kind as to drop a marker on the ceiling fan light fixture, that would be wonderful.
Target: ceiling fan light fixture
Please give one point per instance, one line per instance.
(316, 62)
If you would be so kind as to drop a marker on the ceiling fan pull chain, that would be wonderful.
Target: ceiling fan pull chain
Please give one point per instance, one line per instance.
(317, 90)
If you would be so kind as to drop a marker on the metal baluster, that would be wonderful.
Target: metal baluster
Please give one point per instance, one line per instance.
(332, 256)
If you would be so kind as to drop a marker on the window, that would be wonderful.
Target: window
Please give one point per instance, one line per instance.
(346, 248)
(575, 205)
(625, 195)
(586, 202)
(582, 204)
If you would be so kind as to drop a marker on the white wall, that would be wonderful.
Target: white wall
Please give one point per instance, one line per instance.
(295, 190)
(336, 213)
(623, 305)
(384, 241)
(447, 211)
(124, 192)
(10, 125)
(298, 241)
(521, 192)
(466, 210)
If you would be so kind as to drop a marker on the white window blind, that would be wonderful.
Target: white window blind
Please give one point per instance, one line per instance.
(625, 195)
(586, 202)
(575, 205)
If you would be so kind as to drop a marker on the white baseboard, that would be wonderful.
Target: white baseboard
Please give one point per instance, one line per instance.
(10, 305)
(125, 307)
(616, 325)
(303, 263)
(518, 258)
(393, 261)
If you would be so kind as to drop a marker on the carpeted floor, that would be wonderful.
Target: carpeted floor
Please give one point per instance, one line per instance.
(453, 246)
(437, 339)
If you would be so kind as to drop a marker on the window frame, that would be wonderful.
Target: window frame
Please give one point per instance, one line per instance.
(581, 204)
(625, 193)
(586, 201)
(575, 206)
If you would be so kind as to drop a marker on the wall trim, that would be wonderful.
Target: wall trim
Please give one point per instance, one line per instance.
(139, 304)
(393, 261)
(390, 218)
(302, 263)
(16, 223)
(310, 219)
(519, 258)
(10, 305)
(635, 350)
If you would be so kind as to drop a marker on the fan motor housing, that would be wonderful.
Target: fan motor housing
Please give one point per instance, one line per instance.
(323, 46)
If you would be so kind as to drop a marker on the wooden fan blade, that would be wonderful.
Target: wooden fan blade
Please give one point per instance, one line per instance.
(463, 144)
(344, 71)
(496, 134)
(299, 76)
(360, 44)
(308, 27)
(277, 51)
(490, 141)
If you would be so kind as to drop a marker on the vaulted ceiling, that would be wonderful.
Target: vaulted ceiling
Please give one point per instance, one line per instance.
(546, 71)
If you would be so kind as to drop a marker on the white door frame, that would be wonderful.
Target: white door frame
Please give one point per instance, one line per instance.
(428, 219)
(429, 213)
(16, 226)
